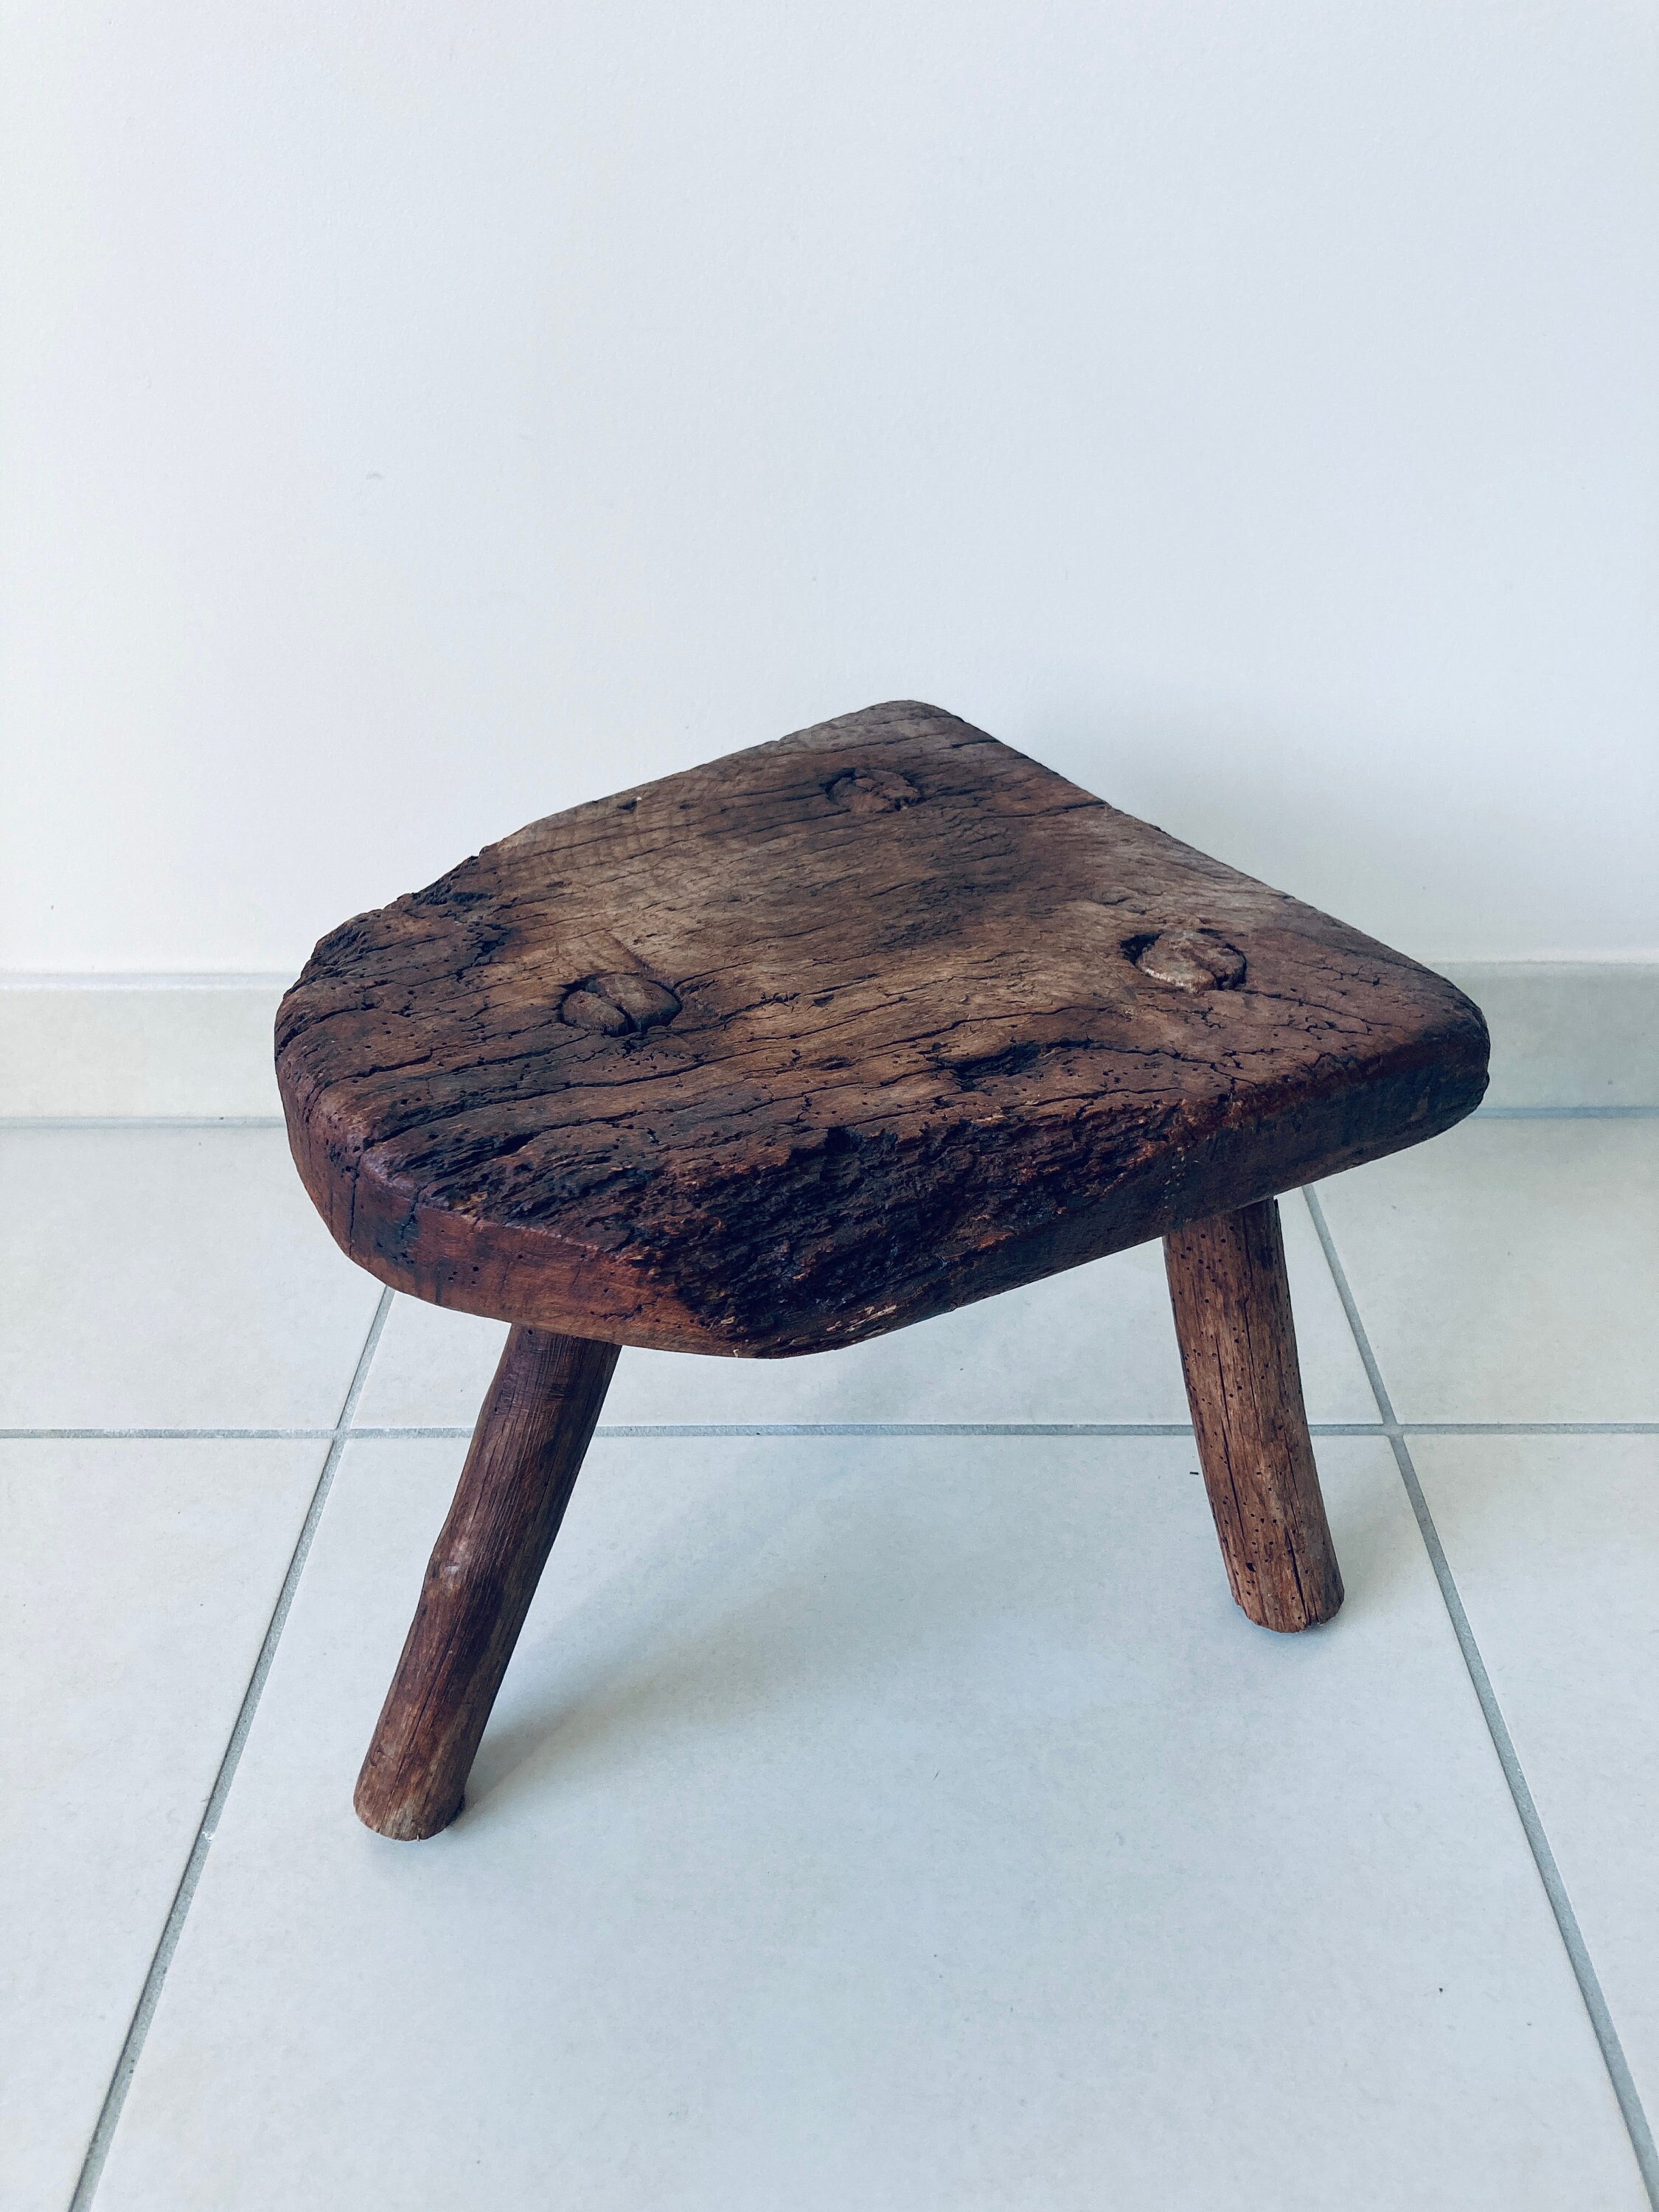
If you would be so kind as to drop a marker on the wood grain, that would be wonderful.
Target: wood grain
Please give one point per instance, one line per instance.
(831, 1035)
(525, 1454)
(1232, 1310)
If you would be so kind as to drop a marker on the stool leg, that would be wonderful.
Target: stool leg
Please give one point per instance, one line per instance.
(1232, 1310)
(520, 1470)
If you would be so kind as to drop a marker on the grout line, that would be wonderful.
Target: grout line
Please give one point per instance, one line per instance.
(1061, 1429)
(165, 1436)
(139, 979)
(1589, 1986)
(141, 1122)
(1566, 1113)
(1527, 1428)
(415, 1431)
(918, 1429)
(121, 2081)
(898, 1429)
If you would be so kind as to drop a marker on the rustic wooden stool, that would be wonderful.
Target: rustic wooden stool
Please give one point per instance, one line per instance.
(809, 1044)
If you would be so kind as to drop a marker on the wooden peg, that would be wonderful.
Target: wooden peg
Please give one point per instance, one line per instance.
(1232, 1310)
(521, 1468)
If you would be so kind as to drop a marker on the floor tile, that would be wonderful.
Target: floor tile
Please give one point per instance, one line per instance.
(1555, 1541)
(169, 1278)
(899, 1822)
(136, 1581)
(1096, 1344)
(1509, 1270)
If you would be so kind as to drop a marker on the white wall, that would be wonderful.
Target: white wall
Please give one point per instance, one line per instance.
(421, 418)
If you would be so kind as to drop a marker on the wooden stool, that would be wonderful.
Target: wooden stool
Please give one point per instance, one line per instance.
(807, 1044)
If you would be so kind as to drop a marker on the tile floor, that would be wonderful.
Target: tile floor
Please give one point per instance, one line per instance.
(886, 1807)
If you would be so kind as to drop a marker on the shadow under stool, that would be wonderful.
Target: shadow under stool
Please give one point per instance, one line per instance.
(826, 1037)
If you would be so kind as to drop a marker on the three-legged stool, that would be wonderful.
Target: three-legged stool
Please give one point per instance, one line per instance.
(812, 1043)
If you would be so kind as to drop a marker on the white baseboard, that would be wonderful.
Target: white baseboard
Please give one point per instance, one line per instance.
(153, 1047)
(1568, 1032)
(1564, 1034)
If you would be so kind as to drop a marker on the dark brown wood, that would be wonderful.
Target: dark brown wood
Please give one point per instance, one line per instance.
(525, 1454)
(832, 1034)
(1232, 1310)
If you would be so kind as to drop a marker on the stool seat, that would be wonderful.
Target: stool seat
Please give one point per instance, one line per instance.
(832, 1034)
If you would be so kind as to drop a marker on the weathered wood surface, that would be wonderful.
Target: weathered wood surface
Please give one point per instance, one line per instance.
(527, 1453)
(1232, 1310)
(832, 1034)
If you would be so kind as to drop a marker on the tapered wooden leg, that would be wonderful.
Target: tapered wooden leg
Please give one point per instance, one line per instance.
(520, 1470)
(1232, 1310)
